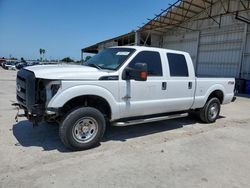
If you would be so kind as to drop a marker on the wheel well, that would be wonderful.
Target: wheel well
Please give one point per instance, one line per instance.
(89, 101)
(218, 94)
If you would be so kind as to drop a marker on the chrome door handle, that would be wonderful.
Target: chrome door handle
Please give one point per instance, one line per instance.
(164, 86)
(190, 85)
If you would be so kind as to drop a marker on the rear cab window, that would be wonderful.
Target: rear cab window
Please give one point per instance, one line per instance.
(177, 65)
(152, 59)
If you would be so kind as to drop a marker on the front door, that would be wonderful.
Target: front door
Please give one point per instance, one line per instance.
(138, 98)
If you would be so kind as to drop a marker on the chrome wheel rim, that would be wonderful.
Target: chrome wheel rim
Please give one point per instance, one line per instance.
(85, 129)
(213, 111)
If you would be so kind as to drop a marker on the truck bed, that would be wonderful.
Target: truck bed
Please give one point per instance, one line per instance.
(205, 85)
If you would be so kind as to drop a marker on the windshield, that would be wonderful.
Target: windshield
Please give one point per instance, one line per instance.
(110, 58)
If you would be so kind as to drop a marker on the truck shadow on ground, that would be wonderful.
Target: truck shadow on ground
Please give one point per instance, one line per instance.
(46, 135)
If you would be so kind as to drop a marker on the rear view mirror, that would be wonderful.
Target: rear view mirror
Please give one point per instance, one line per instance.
(138, 73)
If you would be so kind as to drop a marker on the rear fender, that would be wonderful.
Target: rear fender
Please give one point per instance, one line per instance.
(200, 101)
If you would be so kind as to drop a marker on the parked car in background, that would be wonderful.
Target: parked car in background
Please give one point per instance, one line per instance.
(11, 65)
(26, 64)
(2, 61)
(3, 64)
(33, 63)
(21, 65)
(36, 63)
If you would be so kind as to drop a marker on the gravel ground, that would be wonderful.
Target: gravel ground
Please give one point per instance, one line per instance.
(174, 153)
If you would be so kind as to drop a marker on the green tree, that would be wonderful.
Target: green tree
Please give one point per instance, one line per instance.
(78, 62)
(42, 52)
(67, 60)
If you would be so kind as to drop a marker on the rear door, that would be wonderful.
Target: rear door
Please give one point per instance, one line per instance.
(180, 81)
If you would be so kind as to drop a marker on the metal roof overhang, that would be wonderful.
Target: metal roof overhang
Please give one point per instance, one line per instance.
(180, 12)
(94, 48)
(183, 11)
(176, 14)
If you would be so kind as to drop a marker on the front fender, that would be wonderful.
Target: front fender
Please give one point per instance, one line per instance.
(61, 98)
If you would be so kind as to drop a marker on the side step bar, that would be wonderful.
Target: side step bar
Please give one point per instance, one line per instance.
(149, 120)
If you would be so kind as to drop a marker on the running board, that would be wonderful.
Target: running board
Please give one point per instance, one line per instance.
(149, 120)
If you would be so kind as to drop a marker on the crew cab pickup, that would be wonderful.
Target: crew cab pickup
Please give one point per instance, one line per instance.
(119, 86)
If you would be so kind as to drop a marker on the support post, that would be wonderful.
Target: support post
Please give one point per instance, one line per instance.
(137, 38)
(243, 48)
(145, 42)
(197, 53)
(81, 56)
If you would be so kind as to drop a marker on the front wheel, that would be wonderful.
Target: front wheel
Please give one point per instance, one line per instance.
(211, 111)
(82, 128)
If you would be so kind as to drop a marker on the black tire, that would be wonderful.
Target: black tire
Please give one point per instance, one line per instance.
(205, 113)
(69, 133)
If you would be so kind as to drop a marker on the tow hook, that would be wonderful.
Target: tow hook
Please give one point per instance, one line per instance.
(17, 114)
(32, 118)
(233, 99)
(34, 121)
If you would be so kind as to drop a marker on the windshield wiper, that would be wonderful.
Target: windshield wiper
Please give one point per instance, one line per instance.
(94, 65)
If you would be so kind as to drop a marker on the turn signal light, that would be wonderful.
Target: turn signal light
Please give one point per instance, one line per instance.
(143, 75)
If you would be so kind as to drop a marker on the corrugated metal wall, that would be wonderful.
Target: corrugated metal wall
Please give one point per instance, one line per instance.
(107, 45)
(246, 57)
(220, 51)
(184, 41)
(217, 50)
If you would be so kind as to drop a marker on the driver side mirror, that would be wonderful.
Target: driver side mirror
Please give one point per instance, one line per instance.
(138, 73)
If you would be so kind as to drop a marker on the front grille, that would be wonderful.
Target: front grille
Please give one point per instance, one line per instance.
(26, 88)
(20, 78)
(21, 90)
(21, 99)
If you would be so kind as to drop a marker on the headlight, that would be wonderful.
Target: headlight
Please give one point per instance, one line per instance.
(55, 88)
(52, 88)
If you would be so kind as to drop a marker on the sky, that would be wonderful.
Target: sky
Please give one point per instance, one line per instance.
(64, 27)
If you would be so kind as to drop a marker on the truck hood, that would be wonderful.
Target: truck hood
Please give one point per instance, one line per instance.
(72, 72)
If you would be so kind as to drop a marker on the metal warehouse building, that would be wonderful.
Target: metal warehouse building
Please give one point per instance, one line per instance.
(215, 32)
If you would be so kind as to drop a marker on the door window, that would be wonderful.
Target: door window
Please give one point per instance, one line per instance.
(153, 61)
(177, 65)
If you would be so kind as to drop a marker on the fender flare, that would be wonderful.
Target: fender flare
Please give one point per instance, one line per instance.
(61, 98)
(213, 88)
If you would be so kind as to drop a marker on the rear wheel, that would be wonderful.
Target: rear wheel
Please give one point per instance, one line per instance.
(82, 128)
(211, 111)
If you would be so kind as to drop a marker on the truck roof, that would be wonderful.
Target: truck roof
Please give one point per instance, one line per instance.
(151, 48)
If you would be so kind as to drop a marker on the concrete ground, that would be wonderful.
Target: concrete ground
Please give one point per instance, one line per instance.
(175, 153)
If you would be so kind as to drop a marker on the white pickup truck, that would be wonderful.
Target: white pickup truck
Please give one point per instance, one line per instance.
(120, 86)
